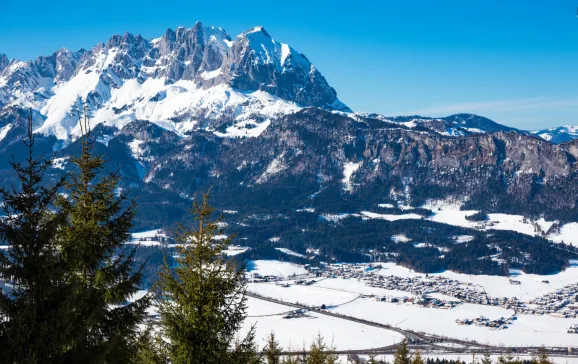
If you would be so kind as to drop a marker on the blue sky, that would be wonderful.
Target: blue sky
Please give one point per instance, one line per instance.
(513, 61)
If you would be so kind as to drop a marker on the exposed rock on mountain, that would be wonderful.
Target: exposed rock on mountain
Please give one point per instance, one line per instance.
(188, 79)
(257, 62)
(4, 61)
(173, 114)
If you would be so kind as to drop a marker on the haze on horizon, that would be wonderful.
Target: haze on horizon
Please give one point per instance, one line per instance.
(514, 62)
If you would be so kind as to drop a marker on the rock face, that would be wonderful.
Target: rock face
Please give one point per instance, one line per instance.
(257, 62)
(174, 114)
(331, 162)
(4, 61)
(186, 53)
(187, 79)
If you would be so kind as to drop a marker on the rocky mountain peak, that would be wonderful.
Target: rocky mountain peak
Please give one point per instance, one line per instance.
(4, 61)
(118, 77)
(255, 61)
(255, 31)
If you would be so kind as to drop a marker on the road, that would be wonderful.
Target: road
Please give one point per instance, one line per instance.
(426, 343)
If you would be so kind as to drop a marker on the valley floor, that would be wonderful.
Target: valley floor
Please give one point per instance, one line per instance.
(344, 296)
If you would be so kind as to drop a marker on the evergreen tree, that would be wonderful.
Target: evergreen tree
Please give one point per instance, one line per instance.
(542, 357)
(402, 354)
(321, 353)
(245, 351)
(487, 359)
(98, 223)
(150, 348)
(508, 359)
(332, 358)
(272, 351)
(202, 301)
(372, 359)
(303, 358)
(35, 300)
(293, 358)
(417, 359)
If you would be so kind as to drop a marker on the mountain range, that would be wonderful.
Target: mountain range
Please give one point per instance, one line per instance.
(188, 79)
(254, 120)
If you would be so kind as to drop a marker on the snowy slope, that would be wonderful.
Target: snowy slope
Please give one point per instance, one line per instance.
(560, 134)
(191, 78)
(453, 125)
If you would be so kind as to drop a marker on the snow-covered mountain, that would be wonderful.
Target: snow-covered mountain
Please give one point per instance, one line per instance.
(558, 135)
(187, 79)
(172, 115)
(453, 125)
(191, 79)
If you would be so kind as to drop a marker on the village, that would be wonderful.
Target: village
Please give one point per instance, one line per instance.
(561, 303)
(423, 290)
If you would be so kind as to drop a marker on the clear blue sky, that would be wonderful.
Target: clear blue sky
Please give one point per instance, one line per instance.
(513, 61)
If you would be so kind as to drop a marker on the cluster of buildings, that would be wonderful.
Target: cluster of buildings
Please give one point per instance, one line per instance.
(482, 321)
(261, 278)
(424, 301)
(296, 314)
(420, 286)
(563, 302)
(301, 282)
(305, 282)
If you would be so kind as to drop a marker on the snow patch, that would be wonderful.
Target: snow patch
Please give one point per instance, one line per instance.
(348, 169)
(290, 252)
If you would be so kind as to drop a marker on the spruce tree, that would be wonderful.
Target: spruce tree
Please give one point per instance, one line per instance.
(417, 359)
(35, 301)
(245, 351)
(321, 353)
(272, 351)
(202, 301)
(292, 358)
(373, 359)
(402, 354)
(487, 359)
(542, 357)
(508, 359)
(98, 223)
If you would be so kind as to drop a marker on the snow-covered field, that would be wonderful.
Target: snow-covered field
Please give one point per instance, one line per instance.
(147, 238)
(275, 268)
(235, 249)
(298, 332)
(448, 212)
(527, 330)
(343, 296)
(306, 295)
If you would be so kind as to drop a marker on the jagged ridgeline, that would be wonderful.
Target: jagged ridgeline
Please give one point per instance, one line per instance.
(253, 119)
